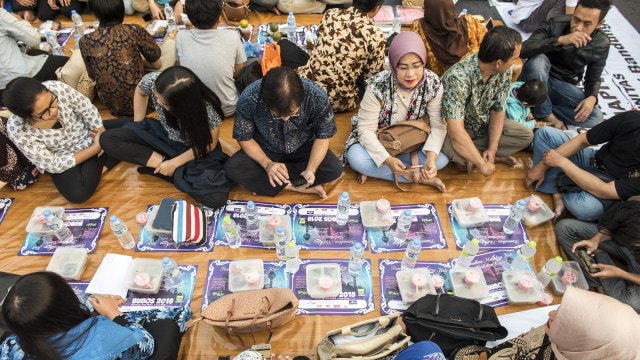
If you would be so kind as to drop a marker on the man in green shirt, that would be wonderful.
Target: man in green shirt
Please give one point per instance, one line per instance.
(474, 104)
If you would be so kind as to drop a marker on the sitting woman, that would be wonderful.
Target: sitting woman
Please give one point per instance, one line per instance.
(407, 91)
(58, 129)
(447, 36)
(586, 326)
(16, 171)
(182, 146)
(115, 55)
(48, 321)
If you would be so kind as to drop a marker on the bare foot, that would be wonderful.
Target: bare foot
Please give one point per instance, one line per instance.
(29, 15)
(104, 170)
(318, 190)
(275, 10)
(362, 178)
(437, 183)
(560, 212)
(556, 123)
(189, 323)
(509, 160)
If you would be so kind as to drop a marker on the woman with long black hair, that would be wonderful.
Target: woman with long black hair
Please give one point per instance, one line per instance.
(181, 146)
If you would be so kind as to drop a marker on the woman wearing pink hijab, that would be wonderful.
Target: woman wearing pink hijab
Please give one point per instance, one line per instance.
(586, 326)
(407, 91)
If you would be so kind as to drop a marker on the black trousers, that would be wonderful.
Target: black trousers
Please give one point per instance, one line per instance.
(544, 12)
(126, 145)
(45, 12)
(79, 183)
(245, 171)
(48, 70)
(16, 6)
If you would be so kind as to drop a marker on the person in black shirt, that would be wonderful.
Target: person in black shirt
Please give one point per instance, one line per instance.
(600, 178)
(557, 54)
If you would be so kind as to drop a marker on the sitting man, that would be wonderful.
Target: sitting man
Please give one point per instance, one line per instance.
(615, 235)
(558, 53)
(529, 15)
(595, 179)
(283, 124)
(474, 104)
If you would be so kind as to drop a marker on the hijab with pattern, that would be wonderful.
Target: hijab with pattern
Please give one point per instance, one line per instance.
(446, 32)
(591, 326)
(404, 43)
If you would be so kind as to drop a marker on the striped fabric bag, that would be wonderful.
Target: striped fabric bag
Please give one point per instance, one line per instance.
(189, 223)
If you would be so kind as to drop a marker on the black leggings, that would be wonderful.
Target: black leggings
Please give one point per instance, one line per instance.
(16, 6)
(126, 145)
(48, 70)
(45, 12)
(79, 183)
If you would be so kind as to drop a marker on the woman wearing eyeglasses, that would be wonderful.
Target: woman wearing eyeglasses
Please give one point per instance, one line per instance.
(407, 91)
(58, 129)
(48, 321)
(181, 146)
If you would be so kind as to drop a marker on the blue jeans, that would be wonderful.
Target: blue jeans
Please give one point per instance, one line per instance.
(360, 161)
(562, 97)
(581, 204)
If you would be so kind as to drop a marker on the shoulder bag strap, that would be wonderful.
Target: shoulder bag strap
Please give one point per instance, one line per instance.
(416, 173)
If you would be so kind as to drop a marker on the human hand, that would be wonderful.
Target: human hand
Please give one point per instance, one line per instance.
(489, 155)
(429, 171)
(535, 175)
(608, 271)
(396, 165)
(95, 136)
(177, 12)
(107, 305)
(487, 168)
(529, 117)
(25, 3)
(53, 5)
(65, 2)
(310, 176)
(584, 109)
(552, 158)
(578, 39)
(278, 173)
(591, 245)
(166, 168)
(156, 14)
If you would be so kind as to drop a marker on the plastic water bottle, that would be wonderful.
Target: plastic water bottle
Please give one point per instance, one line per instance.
(463, 13)
(59, 228)
(122, 233)
(291, 27)
(231, 232)
(549, 270)
(355, 259)
(252, 218)
(469, 251)
(402, 229)
(171, 18)
(76, 40)
(173, 278)
(397, 24)
(344, 204)
(56, 49)
(524, 255)
(515, 215)
(293, 258)
(77, 22)
(281, 242)
(411, 255)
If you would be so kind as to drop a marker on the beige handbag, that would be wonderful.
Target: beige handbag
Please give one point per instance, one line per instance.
(251, 311)
(379, 338)
(74, 73)
(235, 10)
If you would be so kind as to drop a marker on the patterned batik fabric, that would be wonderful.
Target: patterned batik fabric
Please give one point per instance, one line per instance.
(476, 33)
(349, 46)
(15, 168)
(467, 97)
(532, 345)
(383, 86)
(112, 56)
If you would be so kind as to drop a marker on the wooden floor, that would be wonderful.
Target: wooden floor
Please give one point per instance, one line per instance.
(126, 193)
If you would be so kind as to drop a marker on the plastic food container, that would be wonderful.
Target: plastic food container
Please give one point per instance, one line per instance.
(69, 262)
(324, 280)
(414, 284)
(477, 291)
(246, 275)
(469, 212)
(522, 287)
(149, 226)
(536, 212)
(557, 284)
(268, 226)
(372, 218)
(40, 228)
(145, 276)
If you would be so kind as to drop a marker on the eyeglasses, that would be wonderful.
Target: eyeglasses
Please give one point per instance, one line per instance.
(274, 117)
(405, 69)
(52, 105)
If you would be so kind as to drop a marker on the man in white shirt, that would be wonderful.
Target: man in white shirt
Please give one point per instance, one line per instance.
(530, 14)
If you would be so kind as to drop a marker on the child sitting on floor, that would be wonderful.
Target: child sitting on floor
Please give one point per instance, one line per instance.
(522, 97)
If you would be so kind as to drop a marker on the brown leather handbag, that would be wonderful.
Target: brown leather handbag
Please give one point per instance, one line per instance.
(403, 138)
(235, 10)
(250, 312)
